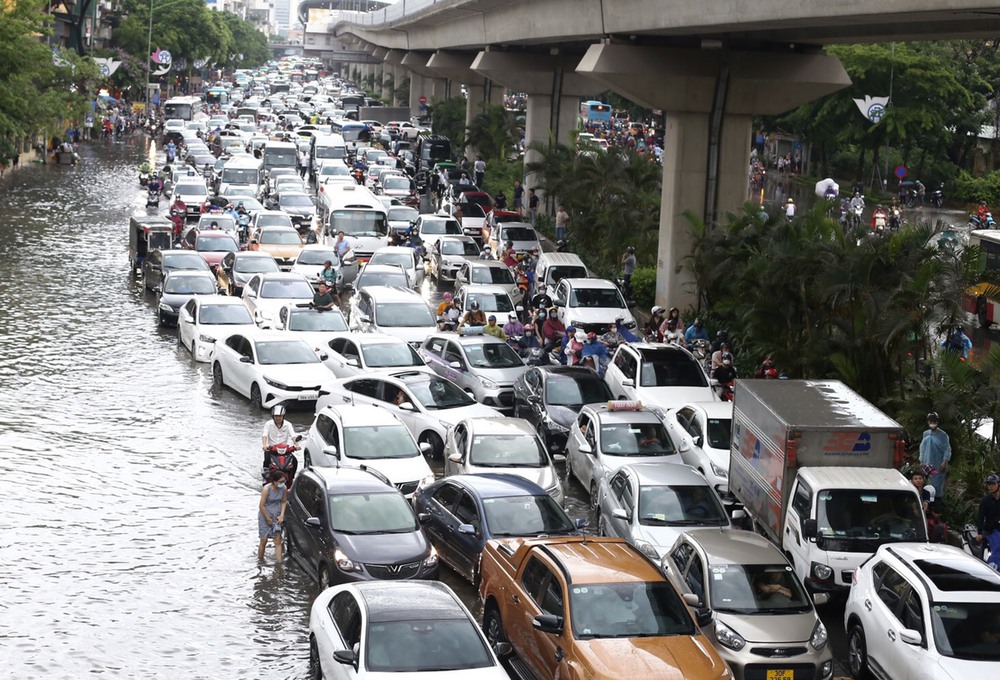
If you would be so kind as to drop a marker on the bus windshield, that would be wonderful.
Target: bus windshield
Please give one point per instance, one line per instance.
(359, 223)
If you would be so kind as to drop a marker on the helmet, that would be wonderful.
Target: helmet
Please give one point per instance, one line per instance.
(630, 249)
(491, 317)
(993, 479)
(722, 335)
(278, 410)
(791, 200)
(727, 358)
(591, 335)
(528, 328)
(448, 297)
(580, 336)
(487, 249)
(657, 309)
(512, 316)
(771, 374)
(474, 306)
(697, 322)
(932, 416)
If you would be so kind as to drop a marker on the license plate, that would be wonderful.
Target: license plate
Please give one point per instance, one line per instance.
(311, 396)
(786, 674)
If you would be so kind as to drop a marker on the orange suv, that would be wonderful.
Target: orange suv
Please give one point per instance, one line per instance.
(582, 607)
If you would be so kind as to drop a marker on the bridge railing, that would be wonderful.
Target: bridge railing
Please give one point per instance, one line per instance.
(390, 13)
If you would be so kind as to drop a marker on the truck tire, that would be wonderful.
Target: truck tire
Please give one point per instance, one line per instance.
(493, 626)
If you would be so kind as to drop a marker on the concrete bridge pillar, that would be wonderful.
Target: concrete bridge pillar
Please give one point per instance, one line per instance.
(416, 92)
(710, 97)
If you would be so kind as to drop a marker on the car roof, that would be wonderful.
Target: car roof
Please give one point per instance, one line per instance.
(945, 570)
(217, 300)
(599, 560)
(666, 474)
(208, 233)
(189, 272)
(317, 246)
(876, 479)
(351, 480)
(488, 264)
(393, 293)
(252, 253)
(485, 289)
(735, 546)
(518, 225)
(501, 426)
(465, 340)
(382, 267)
(456, 237)
(376, 339)
(606, 415)
(712, 409)
(277, 227)
(588, 283)
(408, 600)
(498, 485)
(394, 249)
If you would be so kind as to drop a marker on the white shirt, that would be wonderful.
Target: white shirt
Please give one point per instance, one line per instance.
(790, 210)
(279, 435)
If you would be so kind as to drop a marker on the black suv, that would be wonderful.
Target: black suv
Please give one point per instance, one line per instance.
(351, 524)
(550, 398)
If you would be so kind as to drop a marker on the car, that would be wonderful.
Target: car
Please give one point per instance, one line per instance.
(360, 353)
(651, 504)
(368, 436)
(401, 218)
(923, 611)
(492, 299)
(592, 305)
(157, 264)
(222, 221)
(269, 218)
(473, 217)
(178, 287)
(193, 192)
(763, 621)
(316, 326)
(403, 256)
(359, 630)
(522, 235)
(448, 253)
(489, 273)
(211, 245)
(466, 511)
(429, 228)
(550, 397)
(701, 431)
(283, 243)
(496, 218)
(206, 319)
(409, 131)
(265, 294)
(237, 268)
(659, 375)
(603, 437)
(333, 168)
(298, 205)
(507, 445)
(393, 310)
(269, 369)
(399, 186)
(427, 404)
(349, 524)
(314, 256)
(484, 366)
(382, 275)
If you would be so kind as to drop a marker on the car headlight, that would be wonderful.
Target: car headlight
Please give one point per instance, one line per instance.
(445, 424)
(553, 425)
(826, 670)
(432, 559)
(647, 549)
(164, 307)
(821, 571)
(206, 338)
(343, 563)
(429, 479)
(275, 383)
(819, 637)
(720, 471)
(488, 384)
(728, 637)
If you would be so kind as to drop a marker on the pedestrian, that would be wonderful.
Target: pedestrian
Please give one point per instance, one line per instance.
(790, 208)
(303, 163)
(271, 513)
(562, 223)
(532, 205)
(518, 197)
(628, 267)
(479, 167)
(988, 523)
(935, 451)
(937, 530)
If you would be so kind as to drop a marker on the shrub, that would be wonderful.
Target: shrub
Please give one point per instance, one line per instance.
(644, 287)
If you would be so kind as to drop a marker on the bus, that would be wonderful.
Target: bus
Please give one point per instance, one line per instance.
(976, 301)
(353, 133)
(360, 214)
(279, 155)
(181, 107)
(593, 112)
(217, 95)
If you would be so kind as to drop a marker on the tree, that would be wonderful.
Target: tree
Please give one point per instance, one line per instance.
(448, 118)
(491, 132)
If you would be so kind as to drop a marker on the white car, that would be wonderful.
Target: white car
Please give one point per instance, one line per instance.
(923, 611)
(372, 436)
(392, 310)
(522, 235)
(591, 305)
(314, 257)
(701, 432)
(265, 294)
(427, 404)
(269, 368)
(659, 375)
(489, 273)
(493, 300)
(206, 319)
(317, 327)
(448, 254)
(429, 228)
(359, 353)
(360, 631)
(405, 257)
(507, 445)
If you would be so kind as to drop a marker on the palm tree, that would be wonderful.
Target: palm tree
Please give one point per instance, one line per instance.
(491, 133)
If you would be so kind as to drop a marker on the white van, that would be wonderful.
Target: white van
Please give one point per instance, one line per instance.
(326, 148)
(554, 267)
(241, 171)
(357, 212)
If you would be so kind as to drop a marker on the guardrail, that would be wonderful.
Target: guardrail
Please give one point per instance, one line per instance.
(388, 14)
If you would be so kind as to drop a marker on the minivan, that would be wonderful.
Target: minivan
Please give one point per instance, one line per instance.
(553, 267)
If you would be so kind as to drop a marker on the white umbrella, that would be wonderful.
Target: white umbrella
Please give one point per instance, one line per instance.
(824, 184)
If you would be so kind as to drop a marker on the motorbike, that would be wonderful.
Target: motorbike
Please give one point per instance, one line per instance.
(447, 323)
(152, 198)
(895, 219)
(699, 348)
(143, 178)
(986, 223)
(878, 225)
(854, 215)
(243, 227)
(724, 390)
(937, 197)
(281, 457)
(534, 356)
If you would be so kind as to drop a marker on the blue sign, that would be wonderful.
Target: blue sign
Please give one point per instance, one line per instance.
(901, 171)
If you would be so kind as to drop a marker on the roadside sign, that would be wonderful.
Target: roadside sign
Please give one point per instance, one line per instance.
(423, 99)
(901, 171)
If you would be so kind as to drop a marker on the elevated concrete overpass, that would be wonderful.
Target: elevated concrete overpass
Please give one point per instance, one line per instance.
(711, 66)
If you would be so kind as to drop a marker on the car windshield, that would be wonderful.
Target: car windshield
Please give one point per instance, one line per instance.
(318, 257)
(492, 355)
(519, 234)
(255, 265)
(635, 439)
(404, 259)
(756, 589)
(359, 223)
(696, 505)
(274, 220)
(390, 278)
(671, 369)
(526, 516)
(596, 298)
(557, 274)
(507, 450)
(439, 394)
(628, 610)
(492, 275)
(491, 302)
(332, 169)
(477, 200)
(396, 183)
(967, 630)
(719, 430)
(224, 315)
(189, 285)
(207, 244)
(575, 391)
(249, 203)
(379, 441)
(440, 227)
(389, 355)
(425, 646)
(184, 261)
(307, 320)
(223, 222)
(868, 517)
(450, 247)
(272, 352)
(296, 200)
(292, 289)
(403, 314)
(190, 190)
(371, 513)
(240, 175)
(280, 237)
(399, 213)
(472, 210)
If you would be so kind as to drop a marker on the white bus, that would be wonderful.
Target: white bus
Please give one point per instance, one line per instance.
(181, 107)
(279, 155)
(353, 132)
(325, 148)
(241, 171)
(357, 212)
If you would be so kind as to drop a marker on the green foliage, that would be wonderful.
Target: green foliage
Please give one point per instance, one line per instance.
(644, 287)
(501, 175)
(491, 133)
(971, 189)
(448, 119)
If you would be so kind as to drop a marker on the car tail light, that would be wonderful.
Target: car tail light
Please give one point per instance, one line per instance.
(899, 451)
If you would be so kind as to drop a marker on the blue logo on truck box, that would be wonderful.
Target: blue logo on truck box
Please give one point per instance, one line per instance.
(848, 444)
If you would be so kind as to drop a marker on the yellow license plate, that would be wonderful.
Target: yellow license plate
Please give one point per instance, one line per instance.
(786, 674)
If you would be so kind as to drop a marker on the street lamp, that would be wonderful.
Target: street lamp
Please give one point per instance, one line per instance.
(149, 45)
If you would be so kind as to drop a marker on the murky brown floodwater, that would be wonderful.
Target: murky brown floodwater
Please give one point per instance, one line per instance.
(129, 530)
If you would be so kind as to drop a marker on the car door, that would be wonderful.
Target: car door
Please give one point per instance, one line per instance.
(443, 523)
(794, 542)
(308, 498)
(344, 634)
(250, 292)
(324, 434)
(620, 496)
(584, 437)
(363, 391)
(458, 439)
(227, 355)
(462, 275)
(186, 322)
(433, 352)
(882, 630)
(621, 374)
(455, 367)
(466, 546)
(562, 295)
(545, 595)
(246, 366)
(676, 565)
(681, 425)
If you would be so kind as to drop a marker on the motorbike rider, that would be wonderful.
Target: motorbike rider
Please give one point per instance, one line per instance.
(277, 431)
(541, 300)
(487, 253)
(673, 315)
(592, 347)
(513, 327)
(857, 204)
(725, 372)
(328, 273)
(493, 329)
(552, 328)
(652, 327)
(473, 317)
(672, 334)
(879, 218)
(988, 523)
(529, 340)
(695, 331)
(958, 341)
(719, 354)
(573, 347)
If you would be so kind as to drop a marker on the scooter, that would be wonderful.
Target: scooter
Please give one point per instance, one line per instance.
(152, 198)
(937, 197)
(699, 348)
(281, 457)
(143, 179)
(895, 219)
(535, 356)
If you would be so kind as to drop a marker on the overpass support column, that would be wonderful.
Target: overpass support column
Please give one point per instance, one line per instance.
(416, 91)
(710, 97)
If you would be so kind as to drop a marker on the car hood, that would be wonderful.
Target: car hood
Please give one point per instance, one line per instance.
(962, 669)
(605, 315)
(662, 538)
(279, 251)
(177, 300)
(298, 375)
(414, 334)
(455, 415)
(318, 340)
(398, 470)
(772, 629)
(310, 271)
(384, 548)
(269, 307)
(490, 673)
(219, 331)
(212, 258)
(521, 246)
(613, 463)
(504, 376)
(299, 210)
(672, 397)
(676, 657)
(544, 477)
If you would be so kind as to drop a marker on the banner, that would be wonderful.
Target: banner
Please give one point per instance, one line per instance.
(872, 108)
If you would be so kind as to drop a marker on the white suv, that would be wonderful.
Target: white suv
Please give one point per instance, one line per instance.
(923, 611)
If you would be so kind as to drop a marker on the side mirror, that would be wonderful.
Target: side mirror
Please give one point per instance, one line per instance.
(455, 364)
(455, 457)
(586, 448)
(618, 513)
(345, 656)
(363, 318)
(246, 360)
(738, 514)
(910, 636)
(692, 600)
(323, 356)
(809, 528)
(581, 522)
(331, 451)
(699, 440)
(559, 302)
(558, 458)
(703, 617)
(548, 623)
(819, 599)
(628, 382)
(467, 529)
(519, 308)
(313, 522)
(503, 649)
(425, 447)
(406, 406)
(354, 362)
(424, 517)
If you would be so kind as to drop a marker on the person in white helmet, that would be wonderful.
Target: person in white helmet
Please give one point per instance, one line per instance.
(790, 208)
(277, 431)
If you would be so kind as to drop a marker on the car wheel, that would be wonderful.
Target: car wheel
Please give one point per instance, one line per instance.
(437, 446)
(255, 399)
(593, 495)
(857, 653)
(315, 669)
(217, 379)
(493, 627)
(307, 460)
(324, 578)
(598, 519)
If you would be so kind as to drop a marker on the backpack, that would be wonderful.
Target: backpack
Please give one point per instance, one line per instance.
(956, 343)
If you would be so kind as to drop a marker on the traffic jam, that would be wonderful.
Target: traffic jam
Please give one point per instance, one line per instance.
(297, 247)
